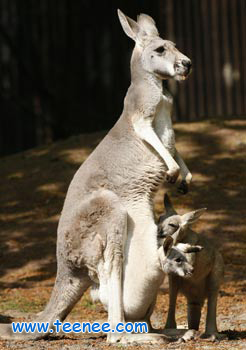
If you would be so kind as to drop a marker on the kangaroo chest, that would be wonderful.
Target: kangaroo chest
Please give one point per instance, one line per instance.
(163, 123)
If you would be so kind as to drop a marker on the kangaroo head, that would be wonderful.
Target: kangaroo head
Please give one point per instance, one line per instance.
(151, 53)
(173, 258)
(172, 224)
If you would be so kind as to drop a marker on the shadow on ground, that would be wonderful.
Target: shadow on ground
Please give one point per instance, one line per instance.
(33, 186)
(34, 183)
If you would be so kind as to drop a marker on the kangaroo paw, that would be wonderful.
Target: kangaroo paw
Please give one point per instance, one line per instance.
(172, 175)
(183, 187)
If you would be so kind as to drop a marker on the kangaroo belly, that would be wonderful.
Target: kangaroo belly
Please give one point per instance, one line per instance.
(141, 269)
(193, 290)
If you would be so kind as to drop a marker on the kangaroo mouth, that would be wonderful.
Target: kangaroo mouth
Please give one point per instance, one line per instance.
(182, 73)
(177, 76)
(182, 76)
(188, 274)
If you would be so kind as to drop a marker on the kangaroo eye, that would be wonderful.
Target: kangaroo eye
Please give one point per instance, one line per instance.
(160, 49)
(172, 225)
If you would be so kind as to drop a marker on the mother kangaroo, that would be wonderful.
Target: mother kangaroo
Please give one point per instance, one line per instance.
(107, 231)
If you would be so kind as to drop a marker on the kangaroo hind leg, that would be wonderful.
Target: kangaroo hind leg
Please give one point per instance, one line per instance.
(97, 242)
(113, 227)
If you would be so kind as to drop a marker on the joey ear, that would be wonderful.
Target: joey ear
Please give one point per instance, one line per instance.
(130, 27)
(193, 249)
(168, 205)
(191, 217)
(167, 245)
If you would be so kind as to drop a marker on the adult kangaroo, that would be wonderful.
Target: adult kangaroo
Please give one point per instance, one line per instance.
(107, 231)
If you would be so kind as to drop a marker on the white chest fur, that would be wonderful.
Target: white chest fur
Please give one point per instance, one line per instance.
(163, 123)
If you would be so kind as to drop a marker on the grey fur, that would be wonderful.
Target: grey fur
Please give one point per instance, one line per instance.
(112, 193)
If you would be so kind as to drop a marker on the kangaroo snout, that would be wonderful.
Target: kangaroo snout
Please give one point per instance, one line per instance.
(191, 270)
(182, 67)
(188, 271)
(187, 64)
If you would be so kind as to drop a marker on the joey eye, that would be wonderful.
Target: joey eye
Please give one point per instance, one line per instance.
(178, 260)
(160, 49)
(172, 225)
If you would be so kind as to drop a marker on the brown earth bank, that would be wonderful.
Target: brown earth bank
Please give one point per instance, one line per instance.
(33, 186)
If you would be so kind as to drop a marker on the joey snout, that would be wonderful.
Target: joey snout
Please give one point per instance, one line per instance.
(174, 261)
(184, 270)
(188, 270)
(178, 266)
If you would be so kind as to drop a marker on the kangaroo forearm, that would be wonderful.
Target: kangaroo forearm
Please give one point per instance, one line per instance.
(147, 134)
(184, 171)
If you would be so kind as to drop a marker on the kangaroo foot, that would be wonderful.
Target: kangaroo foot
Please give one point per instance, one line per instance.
(6, 333)
(213, 336)
(150, 338)
(189, 335)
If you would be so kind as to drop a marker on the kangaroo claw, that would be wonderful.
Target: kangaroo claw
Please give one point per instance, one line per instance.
(183, 187)
(171, 176)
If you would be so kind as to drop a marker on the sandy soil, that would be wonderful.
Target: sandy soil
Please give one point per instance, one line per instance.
(33, 185)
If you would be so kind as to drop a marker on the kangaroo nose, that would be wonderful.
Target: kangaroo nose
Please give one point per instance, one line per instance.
(187, 64)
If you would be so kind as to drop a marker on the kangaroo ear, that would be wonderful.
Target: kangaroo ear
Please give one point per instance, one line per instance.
(188, 248)
(168, 205)
(147, 24)
(191, 217)
(130, 27)
(167, 245)
(177, 235)
(193, 249)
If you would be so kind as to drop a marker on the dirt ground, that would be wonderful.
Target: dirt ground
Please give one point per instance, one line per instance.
(33, 185)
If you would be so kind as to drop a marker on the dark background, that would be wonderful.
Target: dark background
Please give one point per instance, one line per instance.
(64, 65)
